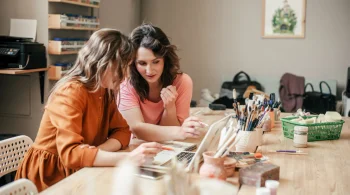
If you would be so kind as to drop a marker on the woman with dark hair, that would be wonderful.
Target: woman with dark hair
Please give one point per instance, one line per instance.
(155, 100)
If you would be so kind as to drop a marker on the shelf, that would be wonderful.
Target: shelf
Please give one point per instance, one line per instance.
(74, 28)
(16, 71)
(54, 48)
(63, 53)
(75, 3)
(41, 71)
(55, 23)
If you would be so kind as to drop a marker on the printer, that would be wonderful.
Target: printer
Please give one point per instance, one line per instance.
(21, 53)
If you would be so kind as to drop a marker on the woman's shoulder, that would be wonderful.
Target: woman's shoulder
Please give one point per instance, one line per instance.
(126, 86)
(182, 79)
(72, 93)
(127, 90)
(72, 90)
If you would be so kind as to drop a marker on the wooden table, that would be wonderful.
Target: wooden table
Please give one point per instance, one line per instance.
(325, 170)
(99, 180)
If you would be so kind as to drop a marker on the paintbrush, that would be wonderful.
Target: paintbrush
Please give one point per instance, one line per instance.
(248, 119)
(196, 164)
(229, 148)
(167, 148)
(234, 95)
(204, 124)
(290, 153)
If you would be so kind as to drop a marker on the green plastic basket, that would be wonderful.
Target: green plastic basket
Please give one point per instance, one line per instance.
(316, 132)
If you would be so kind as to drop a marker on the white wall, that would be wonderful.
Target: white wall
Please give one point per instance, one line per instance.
(20, 107)
(219, 38)
(123, 15)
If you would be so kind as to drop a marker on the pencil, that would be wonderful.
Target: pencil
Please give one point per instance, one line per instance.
(167, 148)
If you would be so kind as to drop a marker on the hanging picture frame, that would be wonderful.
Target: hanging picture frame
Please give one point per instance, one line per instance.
(283, 19)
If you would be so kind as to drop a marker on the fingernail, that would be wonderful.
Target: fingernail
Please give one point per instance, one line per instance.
(205, 124)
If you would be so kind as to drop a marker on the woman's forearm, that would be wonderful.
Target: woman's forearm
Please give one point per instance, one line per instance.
(108, 159)
(156, 133)
(111, 145)
(169, 118)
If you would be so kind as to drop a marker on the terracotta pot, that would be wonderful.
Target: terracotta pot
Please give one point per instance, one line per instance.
(213, 167)
(230, 165)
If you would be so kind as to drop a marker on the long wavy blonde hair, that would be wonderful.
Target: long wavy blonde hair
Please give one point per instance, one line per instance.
(105, 48)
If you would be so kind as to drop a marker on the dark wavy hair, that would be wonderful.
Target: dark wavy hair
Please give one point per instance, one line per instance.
(153, 38)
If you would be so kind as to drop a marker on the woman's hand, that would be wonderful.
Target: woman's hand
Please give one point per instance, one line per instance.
(169, 96)
(189, 128)
(86, 146)
(144, 152)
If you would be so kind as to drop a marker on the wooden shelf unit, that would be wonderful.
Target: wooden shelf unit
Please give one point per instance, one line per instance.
(41, 71)
(54, 48)
(79, 3)
(74, 28)
(15, 71)
(55, 23)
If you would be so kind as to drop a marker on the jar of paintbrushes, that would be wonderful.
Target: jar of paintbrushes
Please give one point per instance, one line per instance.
(250, 130)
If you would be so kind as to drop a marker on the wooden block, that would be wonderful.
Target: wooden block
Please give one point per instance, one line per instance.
(257, 174)
(55, 72)
(54, 21)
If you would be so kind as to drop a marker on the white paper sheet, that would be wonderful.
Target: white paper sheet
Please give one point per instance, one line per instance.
(23, 28)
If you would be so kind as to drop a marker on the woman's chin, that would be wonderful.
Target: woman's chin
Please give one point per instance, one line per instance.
(151, 80)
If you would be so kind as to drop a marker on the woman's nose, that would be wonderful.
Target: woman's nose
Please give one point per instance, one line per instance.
(148, 68)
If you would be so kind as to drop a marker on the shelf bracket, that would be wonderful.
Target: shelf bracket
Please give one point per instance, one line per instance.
(42, 85)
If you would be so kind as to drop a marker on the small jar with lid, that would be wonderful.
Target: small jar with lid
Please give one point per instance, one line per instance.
(300, 136)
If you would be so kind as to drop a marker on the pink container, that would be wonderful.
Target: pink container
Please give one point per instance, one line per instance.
(213, 167)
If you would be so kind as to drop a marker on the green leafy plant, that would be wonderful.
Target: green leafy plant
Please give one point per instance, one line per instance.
(284, 21)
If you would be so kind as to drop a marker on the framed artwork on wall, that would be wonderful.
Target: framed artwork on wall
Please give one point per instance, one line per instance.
(283, 18)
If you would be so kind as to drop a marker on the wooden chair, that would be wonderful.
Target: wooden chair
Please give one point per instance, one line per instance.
(19, 187)
(12, 151)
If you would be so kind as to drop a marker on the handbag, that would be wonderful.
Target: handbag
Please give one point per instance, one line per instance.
(318, 102)
(240, 86)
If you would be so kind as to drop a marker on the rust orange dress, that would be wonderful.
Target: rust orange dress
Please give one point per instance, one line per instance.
(74, 116)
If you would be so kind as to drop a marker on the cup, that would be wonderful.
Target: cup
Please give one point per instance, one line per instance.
(262, 191)
(272, 185)
(247, 141)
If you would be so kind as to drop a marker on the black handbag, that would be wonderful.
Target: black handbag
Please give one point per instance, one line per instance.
(318, 102)
(240, 86)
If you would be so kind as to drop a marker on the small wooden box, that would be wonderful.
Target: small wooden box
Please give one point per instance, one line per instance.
(257, 174)
(55, 72)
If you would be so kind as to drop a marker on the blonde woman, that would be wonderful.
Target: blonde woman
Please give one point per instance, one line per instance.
(81, 126)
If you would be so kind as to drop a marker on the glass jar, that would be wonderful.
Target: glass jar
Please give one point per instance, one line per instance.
(300, 136)
(63, 20)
